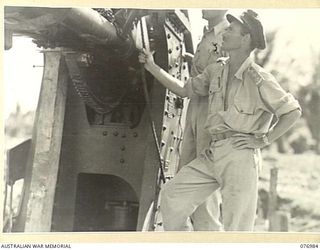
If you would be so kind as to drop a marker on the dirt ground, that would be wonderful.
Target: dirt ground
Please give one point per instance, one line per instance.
(298, 189)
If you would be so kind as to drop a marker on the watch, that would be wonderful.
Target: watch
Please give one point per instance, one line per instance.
(265, 139)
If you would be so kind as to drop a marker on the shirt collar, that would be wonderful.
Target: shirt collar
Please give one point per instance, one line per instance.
(246, 64)
(220, 27)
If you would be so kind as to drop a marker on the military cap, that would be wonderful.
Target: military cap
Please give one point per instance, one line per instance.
(249, 19)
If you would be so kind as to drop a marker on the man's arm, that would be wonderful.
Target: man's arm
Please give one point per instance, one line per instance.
(188, 57)
(168, 81)
(285, 122)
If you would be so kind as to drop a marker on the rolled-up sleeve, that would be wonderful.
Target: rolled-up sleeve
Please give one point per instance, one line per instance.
(276, 99)
(198, 85)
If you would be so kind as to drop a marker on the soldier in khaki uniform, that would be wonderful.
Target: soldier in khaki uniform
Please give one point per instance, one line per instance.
(243, 99)
(196, 137)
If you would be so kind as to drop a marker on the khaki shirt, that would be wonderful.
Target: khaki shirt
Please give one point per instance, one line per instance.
(196, 137)
(254, 98)
(209, 48)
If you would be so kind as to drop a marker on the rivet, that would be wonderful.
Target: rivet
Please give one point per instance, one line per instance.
(115, 133)
(121, 160)
(105, 133)
(135, 134)
(124, 136)
(123, 148)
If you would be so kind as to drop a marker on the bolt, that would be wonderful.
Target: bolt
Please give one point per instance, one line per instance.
(170, 51)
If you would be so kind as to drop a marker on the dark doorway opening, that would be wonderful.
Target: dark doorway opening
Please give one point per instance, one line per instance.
(105, 203)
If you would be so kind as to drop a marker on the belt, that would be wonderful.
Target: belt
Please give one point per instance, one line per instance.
(222, 136)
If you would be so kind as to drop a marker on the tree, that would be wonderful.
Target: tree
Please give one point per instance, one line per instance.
(309, 97)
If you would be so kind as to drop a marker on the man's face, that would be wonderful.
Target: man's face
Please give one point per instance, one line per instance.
(232, 37)
(211, 14)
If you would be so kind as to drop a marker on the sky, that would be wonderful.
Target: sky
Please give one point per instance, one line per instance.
(22, 80)
(298, 33)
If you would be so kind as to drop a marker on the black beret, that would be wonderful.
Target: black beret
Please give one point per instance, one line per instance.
(249, 19)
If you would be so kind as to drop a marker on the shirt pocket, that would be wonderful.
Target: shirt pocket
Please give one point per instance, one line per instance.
(245, 106)
(215, 95)
(215, 86)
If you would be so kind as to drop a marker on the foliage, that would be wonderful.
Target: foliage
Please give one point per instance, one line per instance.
(309, 96)
(18, 126)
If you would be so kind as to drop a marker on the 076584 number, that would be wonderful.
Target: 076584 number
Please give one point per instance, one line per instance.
(309, 245)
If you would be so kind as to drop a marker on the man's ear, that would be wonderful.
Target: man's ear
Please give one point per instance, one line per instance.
(246, 39)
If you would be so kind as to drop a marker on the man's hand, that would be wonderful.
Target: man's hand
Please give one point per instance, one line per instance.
(188, 57)
(242, 141)
(146, 57)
